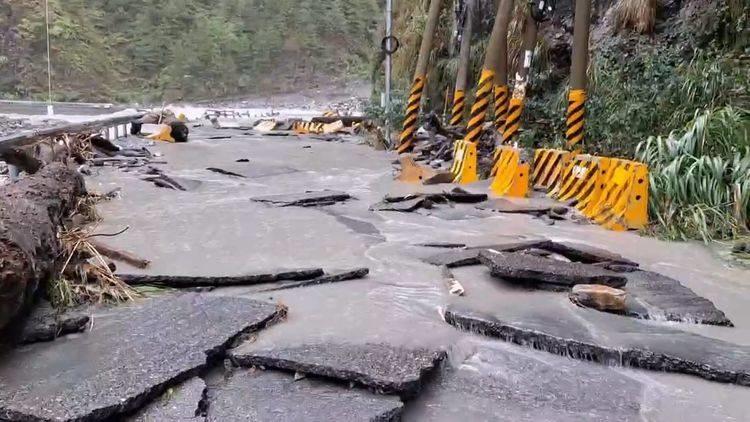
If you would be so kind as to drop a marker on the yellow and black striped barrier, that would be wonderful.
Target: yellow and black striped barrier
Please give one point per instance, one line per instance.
(511, 173)
(575, 117)
(412, 115)
(502, 96)
(464, 168)
(548, 167)
(623, 201)
(302, 127)
(612, 192)
(330, 113)
(459, 107)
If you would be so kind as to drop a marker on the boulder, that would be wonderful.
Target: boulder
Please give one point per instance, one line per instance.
(602, 298)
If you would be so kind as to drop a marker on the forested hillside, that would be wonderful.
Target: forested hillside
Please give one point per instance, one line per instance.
(192, 49)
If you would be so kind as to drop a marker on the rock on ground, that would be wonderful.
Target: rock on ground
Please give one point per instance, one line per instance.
(132, 355)
(181, 403)
(381, 367)
(612, 340)
(601, 298)
(46, 324)
(547, 273)
(268, 396)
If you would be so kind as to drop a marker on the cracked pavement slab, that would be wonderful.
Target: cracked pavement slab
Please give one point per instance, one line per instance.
(383, 368)
(497, 382)
(621, 342)
(547, 273)
(470, 255)
(270, 396)
(129, 358)
(181, 403)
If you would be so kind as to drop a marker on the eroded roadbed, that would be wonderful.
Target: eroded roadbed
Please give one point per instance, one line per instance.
(379, 348)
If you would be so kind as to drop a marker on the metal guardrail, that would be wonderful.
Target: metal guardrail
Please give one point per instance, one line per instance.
(111, 128)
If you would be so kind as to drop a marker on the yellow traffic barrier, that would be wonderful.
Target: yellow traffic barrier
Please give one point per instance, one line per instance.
(623, 203)
(464, 169)
(511, 173)
(411, 172)
(548, 167)
(579, 178)
(162, 133)
(302, 128)
(330, 113)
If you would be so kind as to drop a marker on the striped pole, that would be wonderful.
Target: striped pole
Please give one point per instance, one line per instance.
(479, 108)
(462, 76)
(578, 78)
(495, 56)
(415, 95)
(459, 107)
(515, 109)
(502, 91)
(502, 98)
(575, 117)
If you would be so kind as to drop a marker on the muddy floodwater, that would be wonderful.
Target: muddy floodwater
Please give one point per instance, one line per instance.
(214, 228)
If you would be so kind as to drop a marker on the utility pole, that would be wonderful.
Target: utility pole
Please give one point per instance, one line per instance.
(388, 66)
(50, 108)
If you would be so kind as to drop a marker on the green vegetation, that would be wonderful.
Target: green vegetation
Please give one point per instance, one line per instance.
(172, 49)
(669, 88)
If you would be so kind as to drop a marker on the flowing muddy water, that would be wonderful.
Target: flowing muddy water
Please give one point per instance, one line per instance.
(216, 229)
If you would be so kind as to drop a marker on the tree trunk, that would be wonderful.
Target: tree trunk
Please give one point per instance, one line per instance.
(31, 214)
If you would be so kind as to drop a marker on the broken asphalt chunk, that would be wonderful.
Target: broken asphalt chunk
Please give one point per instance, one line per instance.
(324, 279)
(181, 403)
(628, 342)
(510, 207)
(666, 298)
(305, 199)
(269, 396)
(470, 256)
(587, 254)
(135, 354)
(46, 324)
(221, 281)
(383, 368)
(547, 273)
(224, 172)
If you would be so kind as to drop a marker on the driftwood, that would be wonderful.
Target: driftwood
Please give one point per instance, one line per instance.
(31, 213)
(32, 136)
(346, 120)
(119, 255)
(22, 160)
(221, 281)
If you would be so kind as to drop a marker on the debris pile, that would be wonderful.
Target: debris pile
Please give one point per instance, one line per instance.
(413, 202)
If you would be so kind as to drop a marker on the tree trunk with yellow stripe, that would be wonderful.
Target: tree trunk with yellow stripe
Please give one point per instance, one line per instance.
(577, 97)
(459, 96)
(500, 65)
(495, 56)
(515, 110)
(420, 74)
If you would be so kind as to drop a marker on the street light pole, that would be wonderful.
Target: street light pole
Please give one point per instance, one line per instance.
(388, 67)
(50, 108)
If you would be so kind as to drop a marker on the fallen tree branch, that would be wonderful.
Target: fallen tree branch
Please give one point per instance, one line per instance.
(119, 255)
(221, 281)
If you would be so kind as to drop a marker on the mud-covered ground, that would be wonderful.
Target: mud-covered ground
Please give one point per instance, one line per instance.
(215, 229)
